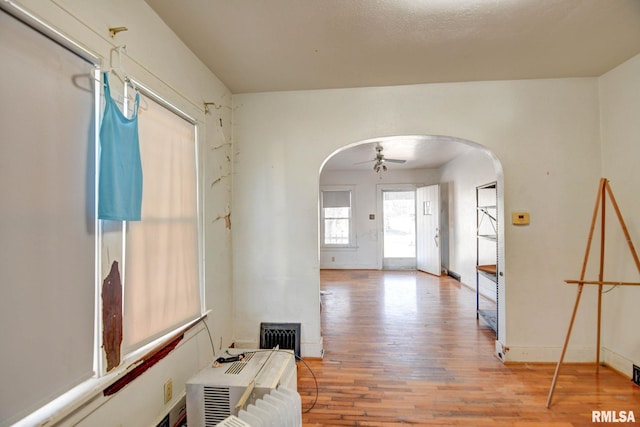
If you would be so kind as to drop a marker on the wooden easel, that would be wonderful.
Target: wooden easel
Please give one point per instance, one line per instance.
(604, 190)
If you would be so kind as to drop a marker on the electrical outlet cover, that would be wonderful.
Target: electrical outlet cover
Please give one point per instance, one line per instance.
(168, 391)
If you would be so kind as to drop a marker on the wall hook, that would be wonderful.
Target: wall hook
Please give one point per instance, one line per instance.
(115, 30)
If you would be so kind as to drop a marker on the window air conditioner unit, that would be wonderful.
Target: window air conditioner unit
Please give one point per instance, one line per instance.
(217, 392)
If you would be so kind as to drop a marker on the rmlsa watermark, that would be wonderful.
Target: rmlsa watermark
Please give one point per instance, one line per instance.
(613, 417)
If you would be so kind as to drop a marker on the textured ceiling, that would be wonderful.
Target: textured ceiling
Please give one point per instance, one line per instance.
(282, 45)
(275, 45)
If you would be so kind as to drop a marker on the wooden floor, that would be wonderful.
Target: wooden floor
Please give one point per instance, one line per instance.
(406, 348)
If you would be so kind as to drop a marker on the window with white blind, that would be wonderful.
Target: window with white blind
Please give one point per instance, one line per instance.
(336, 217)
(47, 218)
(161, 269)
(50, 237)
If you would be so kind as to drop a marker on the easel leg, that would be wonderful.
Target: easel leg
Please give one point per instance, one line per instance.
(604, 189)
(594, 217)
(566, 343)
(599, 322)
(603, 222)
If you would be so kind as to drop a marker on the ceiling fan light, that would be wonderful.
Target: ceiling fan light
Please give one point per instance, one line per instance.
(379, 166)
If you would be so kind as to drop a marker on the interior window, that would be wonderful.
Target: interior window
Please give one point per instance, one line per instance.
(336, 218)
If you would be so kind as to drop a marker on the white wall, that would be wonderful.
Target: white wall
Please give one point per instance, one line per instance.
(544, 132)
(620, 110)
(461, 177)
(159, 60)
(367, 253)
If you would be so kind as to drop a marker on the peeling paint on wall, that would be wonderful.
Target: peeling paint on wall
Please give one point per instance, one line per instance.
(112, 316)
(217, 180)
(227, 218)
(221, 145)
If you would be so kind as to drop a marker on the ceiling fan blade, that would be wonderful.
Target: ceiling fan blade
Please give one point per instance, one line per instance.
(366, 161)
(394, 160)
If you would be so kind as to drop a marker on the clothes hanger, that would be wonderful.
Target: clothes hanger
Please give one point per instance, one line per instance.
(117, 69)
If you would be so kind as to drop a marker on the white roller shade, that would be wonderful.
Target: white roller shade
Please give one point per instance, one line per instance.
(47, 220)
(336, 199)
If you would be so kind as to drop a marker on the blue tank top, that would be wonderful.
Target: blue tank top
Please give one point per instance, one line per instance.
(120, 182)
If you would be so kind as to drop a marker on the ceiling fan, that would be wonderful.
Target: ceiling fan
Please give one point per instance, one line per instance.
(380, 160)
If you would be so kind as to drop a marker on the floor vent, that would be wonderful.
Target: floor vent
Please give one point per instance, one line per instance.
(284, 335)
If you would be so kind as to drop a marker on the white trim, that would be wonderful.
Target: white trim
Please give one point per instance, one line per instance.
(160, 100)
(38, 24)
(617, 362)
(380, 188)
(549, 354)
(98, 360)
(313, 349)
(83, 394)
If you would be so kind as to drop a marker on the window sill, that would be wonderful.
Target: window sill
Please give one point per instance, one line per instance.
(85, 393)
(339, 248)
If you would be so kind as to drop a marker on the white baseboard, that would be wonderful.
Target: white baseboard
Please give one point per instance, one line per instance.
(334, 266)
(517, 354)
(573, 355)
(314, 350)
(617, 362)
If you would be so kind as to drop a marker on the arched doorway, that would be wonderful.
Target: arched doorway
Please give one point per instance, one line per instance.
(456, 165)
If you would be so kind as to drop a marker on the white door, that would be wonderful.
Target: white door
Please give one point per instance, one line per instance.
(428, 229)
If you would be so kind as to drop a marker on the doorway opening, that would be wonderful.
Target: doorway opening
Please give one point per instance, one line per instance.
(398, 229)
(437, 176)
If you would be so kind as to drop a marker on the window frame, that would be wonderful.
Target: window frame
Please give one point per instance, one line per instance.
(74, 366)
(129, 356)
(107, 242)
(352, 229)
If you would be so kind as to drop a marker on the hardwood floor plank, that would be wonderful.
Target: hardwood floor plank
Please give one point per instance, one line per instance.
(405, 348)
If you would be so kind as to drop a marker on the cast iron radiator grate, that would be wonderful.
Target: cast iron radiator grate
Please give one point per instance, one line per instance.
(284, 335)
